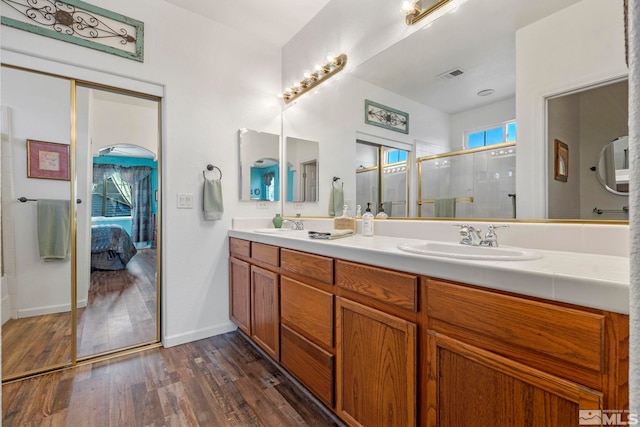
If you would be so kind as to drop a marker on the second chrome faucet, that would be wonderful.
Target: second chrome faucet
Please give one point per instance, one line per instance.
(470, 235)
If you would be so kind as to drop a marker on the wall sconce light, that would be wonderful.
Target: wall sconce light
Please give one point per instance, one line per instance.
(313, 78)
(416, 10)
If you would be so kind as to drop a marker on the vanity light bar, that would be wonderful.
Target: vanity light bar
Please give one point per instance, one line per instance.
(313, 78)
(415, 12)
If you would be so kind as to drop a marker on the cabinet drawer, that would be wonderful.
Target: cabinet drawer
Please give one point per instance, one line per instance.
(307, 309)
(312, 365)
(537, 327)
(307, 265)
(265, 254)
(239, 247)
(393, 287)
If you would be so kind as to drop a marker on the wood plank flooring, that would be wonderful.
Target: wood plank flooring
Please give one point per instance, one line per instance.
(219, 381)
(121, 311)
(121, 308)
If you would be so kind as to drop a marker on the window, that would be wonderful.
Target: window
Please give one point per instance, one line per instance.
(395, 156)
(506, 132)
(111, 197)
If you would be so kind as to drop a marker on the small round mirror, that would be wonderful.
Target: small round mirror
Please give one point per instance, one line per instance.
(613, 166)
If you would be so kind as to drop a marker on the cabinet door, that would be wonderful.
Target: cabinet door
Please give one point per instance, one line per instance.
(239, 294)
(265, 310)
(376, 367)
(474, 387)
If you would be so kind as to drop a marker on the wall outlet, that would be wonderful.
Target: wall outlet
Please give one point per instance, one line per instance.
(185, 201)
(298, 206)
(262, 205)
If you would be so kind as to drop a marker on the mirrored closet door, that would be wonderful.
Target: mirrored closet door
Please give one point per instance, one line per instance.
(80, 279)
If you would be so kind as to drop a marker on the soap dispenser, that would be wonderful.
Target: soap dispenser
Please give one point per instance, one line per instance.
(367, 222)
(382, 214)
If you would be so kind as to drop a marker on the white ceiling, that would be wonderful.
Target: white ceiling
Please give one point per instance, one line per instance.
(274, 21)
(479, 38)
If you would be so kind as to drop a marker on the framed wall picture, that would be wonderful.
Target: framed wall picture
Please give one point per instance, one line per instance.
(380, 115)
(561, 160)
(47, 160)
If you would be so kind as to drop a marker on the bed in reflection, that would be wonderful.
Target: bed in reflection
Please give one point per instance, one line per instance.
(111, 247)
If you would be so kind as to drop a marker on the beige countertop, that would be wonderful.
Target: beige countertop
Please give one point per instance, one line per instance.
(591, 280)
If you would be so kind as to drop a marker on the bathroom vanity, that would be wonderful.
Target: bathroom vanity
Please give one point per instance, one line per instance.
(385, 337)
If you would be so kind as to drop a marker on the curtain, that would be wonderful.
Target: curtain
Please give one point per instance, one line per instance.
(140, 179)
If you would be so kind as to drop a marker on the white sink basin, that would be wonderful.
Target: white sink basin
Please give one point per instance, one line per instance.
(456, 250)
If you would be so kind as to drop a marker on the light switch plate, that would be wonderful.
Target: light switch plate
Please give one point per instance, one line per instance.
(185, 201)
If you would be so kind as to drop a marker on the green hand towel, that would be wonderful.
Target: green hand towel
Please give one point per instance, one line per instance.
(445, 208)
(212, 200)
(53, 229)
(336, 201)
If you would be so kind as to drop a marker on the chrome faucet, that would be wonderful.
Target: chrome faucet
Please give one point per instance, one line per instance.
(470, 235)
(491, 238)
(296, 224)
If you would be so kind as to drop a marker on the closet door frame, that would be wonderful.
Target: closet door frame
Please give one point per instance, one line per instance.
(97, 80)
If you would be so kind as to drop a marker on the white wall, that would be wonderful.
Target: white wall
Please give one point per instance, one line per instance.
(575, 47)
(211, 90)
(564, 124)
(39, 113)
(334, 116)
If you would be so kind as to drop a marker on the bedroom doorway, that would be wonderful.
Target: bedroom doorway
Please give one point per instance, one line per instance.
(95, 150)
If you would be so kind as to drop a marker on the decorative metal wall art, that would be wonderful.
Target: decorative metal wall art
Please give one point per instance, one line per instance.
(379, 115)
(77, 22)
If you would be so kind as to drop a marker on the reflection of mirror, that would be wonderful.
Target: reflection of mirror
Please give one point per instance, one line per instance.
(612, 168)
(443, 88)
(115, 306)
(259, 165)
(381, 179)
(302, 170)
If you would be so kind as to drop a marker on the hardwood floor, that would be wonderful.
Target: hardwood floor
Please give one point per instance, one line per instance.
(120, 312)
(121, 308)
(219, 381)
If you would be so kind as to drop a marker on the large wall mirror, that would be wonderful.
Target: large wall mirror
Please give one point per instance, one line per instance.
(80, 274)
(459, 91)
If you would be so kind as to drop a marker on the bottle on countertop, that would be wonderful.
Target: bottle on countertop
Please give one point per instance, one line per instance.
(367, 222)
(382, 214)
(358, 212)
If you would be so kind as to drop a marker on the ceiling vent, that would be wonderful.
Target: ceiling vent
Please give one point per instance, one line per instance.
(456, 72)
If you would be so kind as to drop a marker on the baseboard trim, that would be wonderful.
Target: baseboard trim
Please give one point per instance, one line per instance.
(173, 340)
(6, 309)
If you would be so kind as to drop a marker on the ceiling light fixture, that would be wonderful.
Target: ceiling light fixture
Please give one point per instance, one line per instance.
(486, 92)
(415, 9)
(313, 78)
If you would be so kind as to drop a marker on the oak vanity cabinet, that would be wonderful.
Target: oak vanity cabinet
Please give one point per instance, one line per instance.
(254, 295)
(376, 345)
(306, 316)
(265, 298)
(497, 359)
(240, 284)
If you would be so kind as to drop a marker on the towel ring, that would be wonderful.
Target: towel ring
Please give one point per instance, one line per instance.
(335, 178)
(210, 167)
